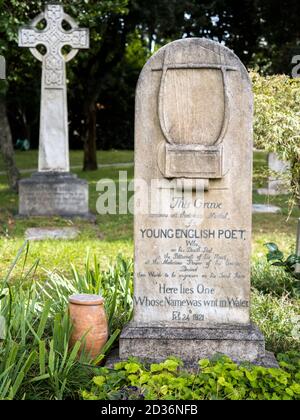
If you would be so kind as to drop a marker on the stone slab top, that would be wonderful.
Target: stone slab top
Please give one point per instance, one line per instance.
(247, 332)
(266, 208)
(40, 234)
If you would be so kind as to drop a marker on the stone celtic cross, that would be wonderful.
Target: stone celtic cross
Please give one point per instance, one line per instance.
(54, 138)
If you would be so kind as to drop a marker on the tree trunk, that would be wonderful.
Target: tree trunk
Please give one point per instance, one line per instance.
(90, 143)
(6, 148)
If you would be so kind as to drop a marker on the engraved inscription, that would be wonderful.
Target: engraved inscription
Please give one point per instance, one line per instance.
(189, 278)
(62, 198)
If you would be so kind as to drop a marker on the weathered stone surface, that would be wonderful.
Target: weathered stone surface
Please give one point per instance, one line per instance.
(54, 134)
(53, 195)
(41, 234)
(240, 343)
(265, 208)
(53, 191)
(276, 185)
(194, 112)
(193, 344)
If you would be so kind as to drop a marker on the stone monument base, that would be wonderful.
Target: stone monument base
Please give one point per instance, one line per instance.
(54, 194)
(272, 192)
(155, 344)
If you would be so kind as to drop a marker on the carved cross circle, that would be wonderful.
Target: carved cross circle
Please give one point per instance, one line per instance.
(54, 37)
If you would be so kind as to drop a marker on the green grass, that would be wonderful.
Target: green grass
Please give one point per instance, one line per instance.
(29, 160)
(278, 319)
(36, 360)
(109, 236)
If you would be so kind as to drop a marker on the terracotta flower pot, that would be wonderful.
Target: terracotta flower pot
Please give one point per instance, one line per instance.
(89, 320)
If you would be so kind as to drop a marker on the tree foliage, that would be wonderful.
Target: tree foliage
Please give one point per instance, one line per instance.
(124, 33)
(277, 121)
(86, 73)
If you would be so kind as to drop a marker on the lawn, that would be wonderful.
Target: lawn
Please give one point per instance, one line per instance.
(29, 160)
(110, 236)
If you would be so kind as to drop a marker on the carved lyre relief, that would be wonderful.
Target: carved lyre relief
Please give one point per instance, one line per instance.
(194, 112)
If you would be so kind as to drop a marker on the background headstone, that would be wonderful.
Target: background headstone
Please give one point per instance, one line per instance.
(194, 110)
(265, 208)
(298, 247)
(276, 184)
(2, 68)
(53, 190)
(41, 234)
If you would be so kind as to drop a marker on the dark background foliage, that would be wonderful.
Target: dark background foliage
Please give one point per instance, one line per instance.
(124, 33)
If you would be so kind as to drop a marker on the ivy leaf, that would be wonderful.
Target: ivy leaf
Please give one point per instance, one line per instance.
(276, 255)
(99, 380)
(292, 259)
(272, 247)
(132, 367)
(156, 368)
(204, 363)
(222, 381)
(171, 365)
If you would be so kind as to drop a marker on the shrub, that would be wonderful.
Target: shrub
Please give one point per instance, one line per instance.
(288, 264)
(277, 122)
(219, 380)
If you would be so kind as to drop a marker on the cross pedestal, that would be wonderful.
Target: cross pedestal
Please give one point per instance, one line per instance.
(53, 190)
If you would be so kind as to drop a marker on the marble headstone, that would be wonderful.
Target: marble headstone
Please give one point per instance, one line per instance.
(276, 183)
(193, 158)
(53, 190)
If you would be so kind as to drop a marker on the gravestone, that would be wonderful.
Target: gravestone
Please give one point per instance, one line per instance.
(53, 190)
(2, 68)
(298, 247)
(265, 209)
(41, 234)
(276, 183)
(193, 158)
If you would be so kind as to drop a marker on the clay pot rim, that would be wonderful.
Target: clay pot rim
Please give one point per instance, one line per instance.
(86, 300)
